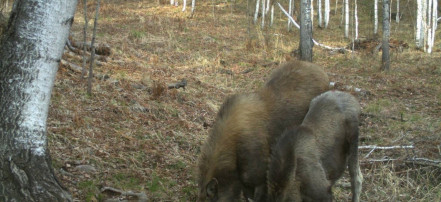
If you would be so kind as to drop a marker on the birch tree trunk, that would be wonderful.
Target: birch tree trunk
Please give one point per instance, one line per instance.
(397, 17)
(30, 52)
(92, 46)
(424, 25)
(193, 6)
(84, 70)
(327, 12)
(290, 9)
(263, 13)
(272, 15)
(386, 33)
(312, 13)
(356, 18)
(184, 5)
(375, 17)
(267, 6)
(433, 4)
(306, 43)
(419, 24)
(390, 10)
(256, 13)
(346, 18)
(320, 13)
(336, 6)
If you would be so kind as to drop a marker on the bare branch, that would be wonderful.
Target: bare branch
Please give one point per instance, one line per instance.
(389, 147)
(140, 196)
(178, 85)
(313, 40)
(374, 147)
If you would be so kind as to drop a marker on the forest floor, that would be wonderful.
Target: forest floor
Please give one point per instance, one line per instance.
(134, 134)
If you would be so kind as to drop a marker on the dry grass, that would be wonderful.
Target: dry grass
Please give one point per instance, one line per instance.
(142, 137)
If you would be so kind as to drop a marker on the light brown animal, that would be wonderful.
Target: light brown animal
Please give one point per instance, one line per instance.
(308, 159)
(234, 158)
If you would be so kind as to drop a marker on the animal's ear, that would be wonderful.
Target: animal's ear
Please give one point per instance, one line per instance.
(212, 188)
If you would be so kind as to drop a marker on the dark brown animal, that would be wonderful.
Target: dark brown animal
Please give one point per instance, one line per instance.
(234, 158)
(308, 159)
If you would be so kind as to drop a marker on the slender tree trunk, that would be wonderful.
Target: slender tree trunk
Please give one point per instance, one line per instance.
(390, 10)
(336, 6)
(263, 13)
(306, 43)
(30, 52)
(320, 13)
(397, 17)
(433, 4)
(92, 45)
(84, 70)
(256, 13)
(376, 17)
(290, 6)
(272, 15)
(312, 13)
(346, 18)
(342, 12)
(193, 6)
(356, 18)
(386, 33)
(172, 2)
(424, 25)
(184, 5)
(327, 12)
(267, 6)
(419, 24)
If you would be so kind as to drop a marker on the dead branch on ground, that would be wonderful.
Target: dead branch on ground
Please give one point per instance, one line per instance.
(178, 85)
(141, 196)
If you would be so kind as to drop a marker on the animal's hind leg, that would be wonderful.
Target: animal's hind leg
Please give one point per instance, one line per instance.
(354, 166)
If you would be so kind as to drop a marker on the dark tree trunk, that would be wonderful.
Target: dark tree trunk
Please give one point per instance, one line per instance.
(386, 33)
(30, 51)
(306, 43)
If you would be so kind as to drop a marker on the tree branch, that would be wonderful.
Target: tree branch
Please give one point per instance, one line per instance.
(374, 147)
(140, 196)
(313, 40)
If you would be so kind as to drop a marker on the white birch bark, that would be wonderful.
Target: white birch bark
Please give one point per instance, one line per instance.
(256, 13)
(320, 13)
(433, 4)
(346, 18)
(184, 5)
(327, 12)
(272, 15)
(342, 12)
(386, 34)
(84, 70)
(290, 13)
(424, 25)
(193, 6)
(306, 43)
(336, 6)
(30, 51)
(419, 23)
(375, 16)
(356, 19)
(397, 18)
(263, 13)
(390, 10)
(312, 13)
(267, 6)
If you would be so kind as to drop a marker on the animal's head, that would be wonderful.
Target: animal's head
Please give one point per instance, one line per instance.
(214, 191)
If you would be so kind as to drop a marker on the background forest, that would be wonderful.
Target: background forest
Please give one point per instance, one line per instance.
(136, 134)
